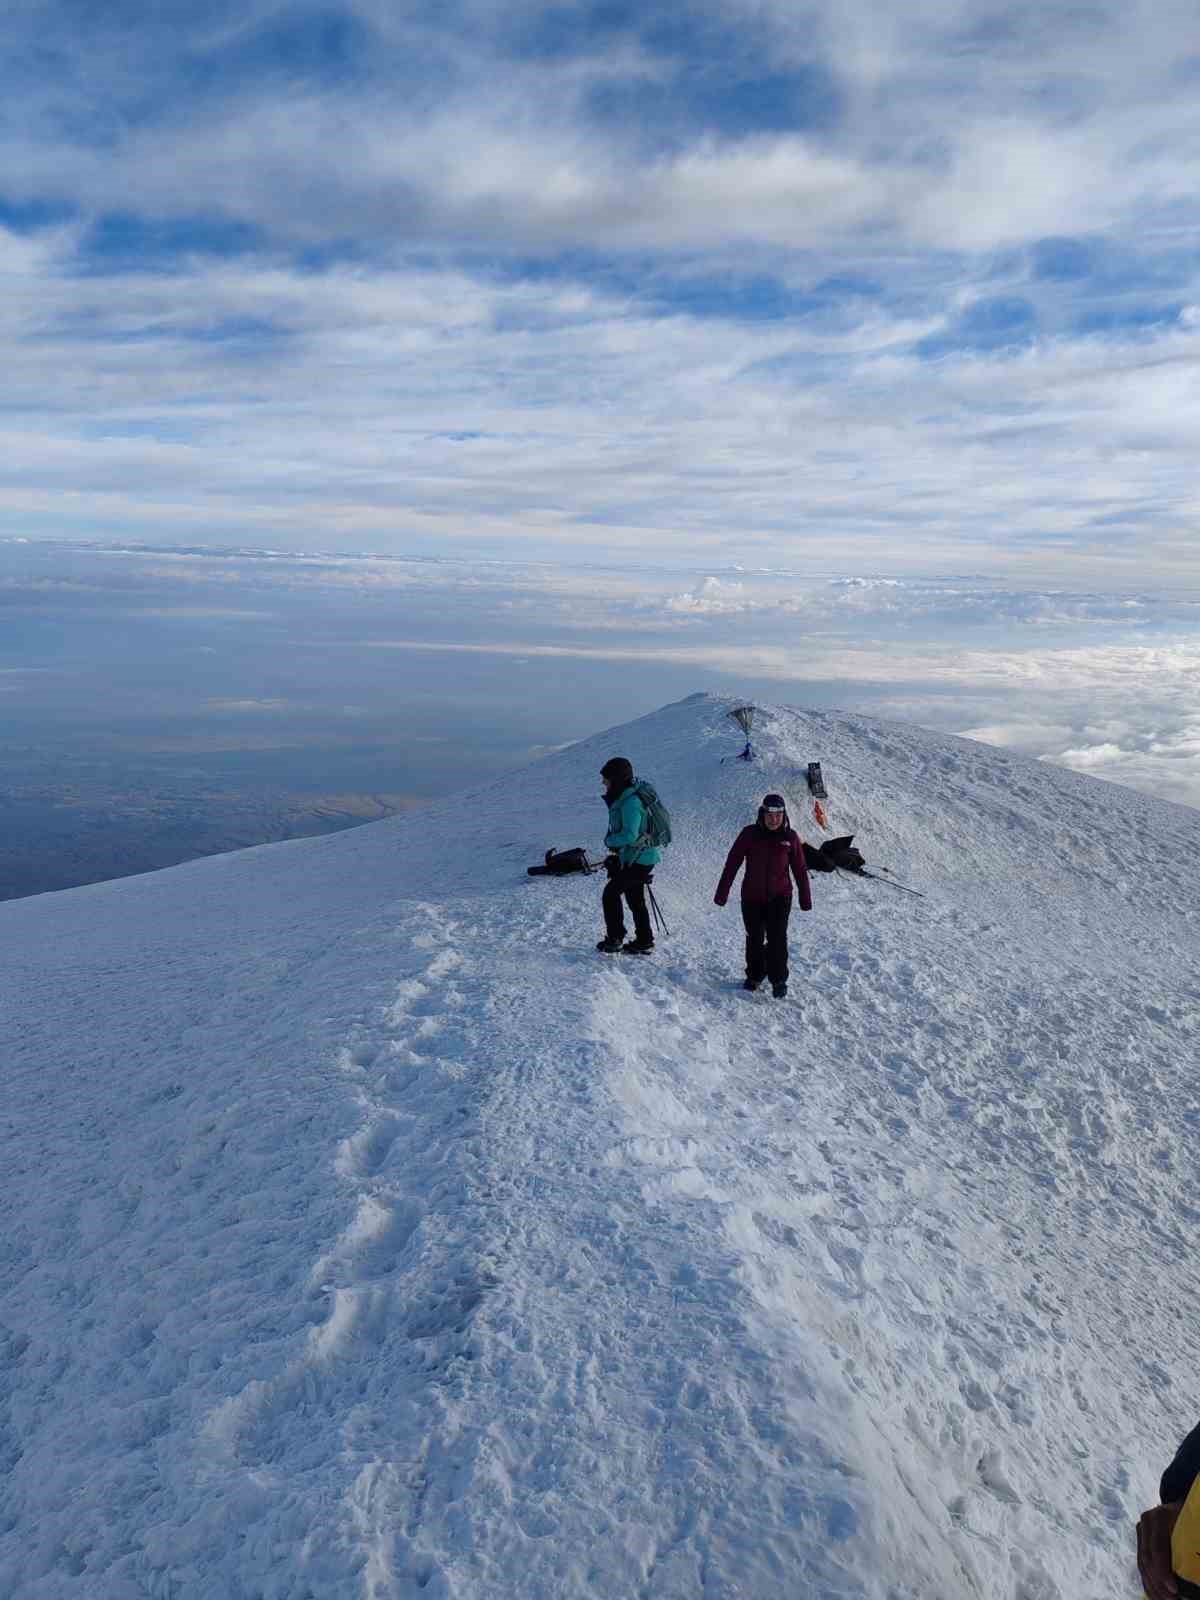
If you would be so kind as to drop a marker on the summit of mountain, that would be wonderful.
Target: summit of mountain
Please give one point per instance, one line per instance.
(369, 1235)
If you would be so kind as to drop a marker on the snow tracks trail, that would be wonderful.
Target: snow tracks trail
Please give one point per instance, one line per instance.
(905, 1178)
(732, 1293)
(369, 1237)
(587, 1404)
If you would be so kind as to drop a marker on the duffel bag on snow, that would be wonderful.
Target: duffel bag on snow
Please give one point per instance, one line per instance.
(559, 862)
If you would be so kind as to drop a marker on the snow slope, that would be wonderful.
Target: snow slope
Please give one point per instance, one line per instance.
(367, 1234)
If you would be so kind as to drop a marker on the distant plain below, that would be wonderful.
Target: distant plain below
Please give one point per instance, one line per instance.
(161, 703)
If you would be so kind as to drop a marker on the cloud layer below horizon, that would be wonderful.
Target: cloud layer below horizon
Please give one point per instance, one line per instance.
(914, 288)
(407, 671)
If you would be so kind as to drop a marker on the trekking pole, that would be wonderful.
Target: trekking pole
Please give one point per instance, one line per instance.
(658, 916)
(891, 879)
(892, 883)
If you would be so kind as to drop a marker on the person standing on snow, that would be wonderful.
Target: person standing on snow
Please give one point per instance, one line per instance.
(1168, 1534)
(773, 856)
(631, 866)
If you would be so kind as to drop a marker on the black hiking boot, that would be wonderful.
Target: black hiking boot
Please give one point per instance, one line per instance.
(751, 984)
(609, 947)
(779, 990)
(638, 947)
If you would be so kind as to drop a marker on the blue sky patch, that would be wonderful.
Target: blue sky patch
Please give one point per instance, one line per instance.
(1000, 322)
(1130, 319)
(726, 103)
(127, 242)
(27, 216)
(1065, 260)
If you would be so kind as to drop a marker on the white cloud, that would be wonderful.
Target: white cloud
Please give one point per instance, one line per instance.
(1092, 758)
(548, 419)
(1088, 680)
(268, 705)
(711, 598)
(1147, 737)
(282, 706)
(454, 404)
(956, 125)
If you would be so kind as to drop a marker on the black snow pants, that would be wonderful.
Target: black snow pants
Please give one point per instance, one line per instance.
(628, 883)
(766, 938)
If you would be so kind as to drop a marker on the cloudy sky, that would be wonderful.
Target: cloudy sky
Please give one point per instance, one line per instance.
(574, 357)
(896, 286)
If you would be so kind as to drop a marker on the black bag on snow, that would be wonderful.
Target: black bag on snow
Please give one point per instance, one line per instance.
(842, 853)
(559, 862)
(835, 853)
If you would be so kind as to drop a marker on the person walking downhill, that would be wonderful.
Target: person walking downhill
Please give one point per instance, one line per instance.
(630, 867)
(773, 857)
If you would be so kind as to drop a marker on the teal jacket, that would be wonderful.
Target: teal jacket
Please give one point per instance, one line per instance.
(626, 824)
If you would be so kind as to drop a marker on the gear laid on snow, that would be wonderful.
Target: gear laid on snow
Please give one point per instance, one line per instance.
(817, 792)
(558, 863)
(844, 854)
(841, 855)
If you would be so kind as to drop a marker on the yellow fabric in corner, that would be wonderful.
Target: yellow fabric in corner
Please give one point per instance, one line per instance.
(1185, 1544)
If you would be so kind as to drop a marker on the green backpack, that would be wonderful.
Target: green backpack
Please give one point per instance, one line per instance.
(656, 825)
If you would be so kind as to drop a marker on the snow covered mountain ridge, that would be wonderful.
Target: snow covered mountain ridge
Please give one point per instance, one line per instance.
(368, 1235)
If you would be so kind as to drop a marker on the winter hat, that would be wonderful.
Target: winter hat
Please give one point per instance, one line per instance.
(774, 802)
(619, 772)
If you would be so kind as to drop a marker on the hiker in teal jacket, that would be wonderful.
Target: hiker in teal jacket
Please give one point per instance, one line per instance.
(630, 867)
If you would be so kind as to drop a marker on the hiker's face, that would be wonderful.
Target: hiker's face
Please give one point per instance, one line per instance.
(773, 819)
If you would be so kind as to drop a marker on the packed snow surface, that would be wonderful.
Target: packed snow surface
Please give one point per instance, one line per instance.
(367, 1234)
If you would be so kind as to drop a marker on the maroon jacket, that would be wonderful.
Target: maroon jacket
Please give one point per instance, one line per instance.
(772, 860)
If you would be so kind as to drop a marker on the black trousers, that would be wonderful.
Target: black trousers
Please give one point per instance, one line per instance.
(627, 883)
(766, 938)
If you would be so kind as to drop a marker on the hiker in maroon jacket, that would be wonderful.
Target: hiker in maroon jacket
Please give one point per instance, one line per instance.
(773, 854)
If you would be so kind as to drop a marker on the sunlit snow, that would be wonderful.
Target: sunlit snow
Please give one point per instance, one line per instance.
(367, 1234)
